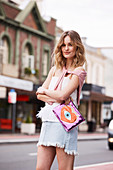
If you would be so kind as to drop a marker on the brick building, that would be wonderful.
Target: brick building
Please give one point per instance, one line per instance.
(26, 44)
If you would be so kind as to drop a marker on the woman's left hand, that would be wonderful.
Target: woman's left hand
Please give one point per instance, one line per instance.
(68, 100)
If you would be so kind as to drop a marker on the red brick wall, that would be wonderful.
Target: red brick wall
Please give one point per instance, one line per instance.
(34, 41)
(41, 54)
(22, 37)
(9, 11)
(2, 28)
(30, 22)
(51, 26)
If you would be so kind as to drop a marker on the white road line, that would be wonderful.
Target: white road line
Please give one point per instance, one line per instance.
(93, 165)
(32, 154)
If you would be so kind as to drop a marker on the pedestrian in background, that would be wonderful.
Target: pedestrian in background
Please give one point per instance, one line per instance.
(54, 140)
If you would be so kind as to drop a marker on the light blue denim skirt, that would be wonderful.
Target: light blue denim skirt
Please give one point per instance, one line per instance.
(54, 134)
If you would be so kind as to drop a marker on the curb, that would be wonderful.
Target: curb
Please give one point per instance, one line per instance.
(35, 140)
(92, 138)
(18, 141)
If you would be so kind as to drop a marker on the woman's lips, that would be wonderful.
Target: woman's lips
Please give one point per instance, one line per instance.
(66, 53)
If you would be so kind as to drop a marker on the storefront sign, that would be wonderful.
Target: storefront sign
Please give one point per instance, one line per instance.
(16, 83)
(23, 98)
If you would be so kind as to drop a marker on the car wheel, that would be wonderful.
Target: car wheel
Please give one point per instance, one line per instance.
(110, 146)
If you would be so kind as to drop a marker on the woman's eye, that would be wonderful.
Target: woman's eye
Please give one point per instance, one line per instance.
(70, 44)
(63, 45)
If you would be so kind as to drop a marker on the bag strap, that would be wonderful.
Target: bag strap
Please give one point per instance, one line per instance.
(60, 80)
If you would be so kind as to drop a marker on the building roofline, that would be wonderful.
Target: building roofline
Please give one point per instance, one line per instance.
(23, 14)
(10, 4)
(26, 28)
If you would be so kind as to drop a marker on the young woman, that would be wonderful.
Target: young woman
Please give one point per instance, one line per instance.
(54, 140)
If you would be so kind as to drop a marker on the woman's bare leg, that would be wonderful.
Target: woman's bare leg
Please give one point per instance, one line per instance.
(65, 161)
(45, 157)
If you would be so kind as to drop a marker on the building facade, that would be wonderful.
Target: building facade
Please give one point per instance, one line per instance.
(26, 44)
(97, 92)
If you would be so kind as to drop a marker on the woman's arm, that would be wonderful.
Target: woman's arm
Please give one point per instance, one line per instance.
(47, 99)
(62, 94)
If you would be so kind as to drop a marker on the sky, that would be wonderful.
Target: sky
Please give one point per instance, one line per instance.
(92, 19)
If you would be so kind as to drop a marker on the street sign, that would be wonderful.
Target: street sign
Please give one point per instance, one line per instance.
(12, 96)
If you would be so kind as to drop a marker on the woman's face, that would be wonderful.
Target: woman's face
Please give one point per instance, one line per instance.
(68, 49)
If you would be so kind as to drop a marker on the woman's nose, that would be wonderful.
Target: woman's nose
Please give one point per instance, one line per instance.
(66, 47)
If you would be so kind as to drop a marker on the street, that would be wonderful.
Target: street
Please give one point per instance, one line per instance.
(23, 156)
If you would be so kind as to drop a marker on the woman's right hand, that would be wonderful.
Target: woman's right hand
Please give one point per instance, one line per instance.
(40, 90)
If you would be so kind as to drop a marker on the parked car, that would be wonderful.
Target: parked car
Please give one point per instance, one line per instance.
(110, 135)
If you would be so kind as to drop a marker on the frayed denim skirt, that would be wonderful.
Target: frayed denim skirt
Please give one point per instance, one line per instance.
(54, 134)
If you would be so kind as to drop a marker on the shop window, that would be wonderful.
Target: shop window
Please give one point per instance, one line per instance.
(45, 63)
(4, 50)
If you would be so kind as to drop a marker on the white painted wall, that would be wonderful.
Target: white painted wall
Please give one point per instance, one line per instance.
(100, 68)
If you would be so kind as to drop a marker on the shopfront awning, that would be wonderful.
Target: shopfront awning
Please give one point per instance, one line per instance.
(95, 93)
(89, 95)
(16, 83)
(100, 97)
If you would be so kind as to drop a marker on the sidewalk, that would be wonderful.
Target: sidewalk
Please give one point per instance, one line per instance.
(24, 138)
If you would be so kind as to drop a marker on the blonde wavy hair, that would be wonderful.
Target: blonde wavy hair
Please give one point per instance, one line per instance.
(79, 58)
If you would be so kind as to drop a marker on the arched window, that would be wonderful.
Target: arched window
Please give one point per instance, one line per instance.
(45, 60)
(28, 58)
(4, 50)
(45, 63)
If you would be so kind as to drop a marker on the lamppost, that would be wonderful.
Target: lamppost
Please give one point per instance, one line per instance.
(12, 99)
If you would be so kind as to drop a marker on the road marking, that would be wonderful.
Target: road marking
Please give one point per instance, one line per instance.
(32, 154)
(93, 165)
